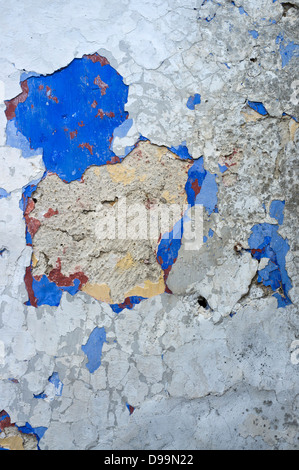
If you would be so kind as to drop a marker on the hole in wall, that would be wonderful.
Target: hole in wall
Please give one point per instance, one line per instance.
(202, 302)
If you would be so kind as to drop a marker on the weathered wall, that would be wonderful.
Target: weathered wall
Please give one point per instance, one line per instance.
(134, 342)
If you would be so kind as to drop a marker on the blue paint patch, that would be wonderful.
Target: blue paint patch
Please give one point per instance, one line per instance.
(254, 33)
(37, 432)
(170, 245)
(222, 168)
(211, 233)
(3, 193)
(46, 292)
(205, 239)
(181, 151)
(265, 242)
(193, 101)
(201, 187)
(41, 396)
(72, 289)
(74, 125)
(287, 51)
(55, 380)
(289, 115)
(130, 408)
(208, 194)
(28, 191)
(242, 11)
(196, 175)
(4, 416)
(93, 348)
(258, 107)
(276, 210)
(129, 303)
(16, 139)
(123, 129)
(26, 75)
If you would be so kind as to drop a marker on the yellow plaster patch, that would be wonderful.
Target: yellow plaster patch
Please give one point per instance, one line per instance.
(161, 152)
(97, 170)
(169, 198)
(142, 178)
(149, 289)
(126, 262)
(12, 443)
(34, 260)
(98, 291)
(292, 128)
(121, 174)
(251, 116)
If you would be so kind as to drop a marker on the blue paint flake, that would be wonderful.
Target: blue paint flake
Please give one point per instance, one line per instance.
(55, 380)
(123, 129)
(222, 168)
(287, 51)
(196, 175)
(93, 348)
(265, 242)
(254, 33)
(208, 194)
(37, 432)
(130, 408)
(129, 303)
(14, 138)
(193, 100)
(3, 193)
(46, 292)
(181, 151)
(258, 107)
(242, 11)
(289, 115)
(201, 188)
(72, 115)
(40, 396)
(170, 245)
(276, 210)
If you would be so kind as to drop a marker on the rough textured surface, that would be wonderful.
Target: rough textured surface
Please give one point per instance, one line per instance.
(96, 230)
(208, 87)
